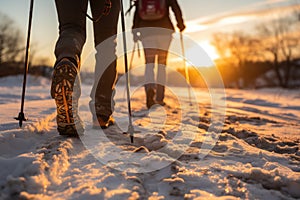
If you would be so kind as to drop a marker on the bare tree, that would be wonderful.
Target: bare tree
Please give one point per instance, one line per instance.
(237, 49)
(280, 43)
(277, 41)
(11, 41)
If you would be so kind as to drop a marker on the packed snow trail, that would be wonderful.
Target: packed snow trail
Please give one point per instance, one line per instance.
(256, 155)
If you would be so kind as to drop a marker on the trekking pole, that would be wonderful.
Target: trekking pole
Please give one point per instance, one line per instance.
(131, 62)
(138, 48)
(131, 59)
(130, 126)
(186, 70)
(21, 116)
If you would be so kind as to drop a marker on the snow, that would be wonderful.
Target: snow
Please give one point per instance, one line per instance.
(177, 154)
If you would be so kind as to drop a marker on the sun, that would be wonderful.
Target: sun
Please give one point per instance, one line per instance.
(209, 49)
(201, 54)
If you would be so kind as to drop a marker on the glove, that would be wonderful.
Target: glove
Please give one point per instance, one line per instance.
(136, 36)
(181, 27)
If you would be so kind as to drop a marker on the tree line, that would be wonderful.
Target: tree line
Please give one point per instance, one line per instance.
(272, 46)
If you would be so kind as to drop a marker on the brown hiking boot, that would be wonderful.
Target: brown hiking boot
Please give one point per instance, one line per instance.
(103, 122)
(162, 103)
(65, 90)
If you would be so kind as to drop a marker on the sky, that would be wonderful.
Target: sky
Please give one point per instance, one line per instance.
(203, 18)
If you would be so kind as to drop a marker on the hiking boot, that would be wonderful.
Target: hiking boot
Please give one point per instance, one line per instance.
(162, 103)
(150, 98)
(103, 122)
(65, 90)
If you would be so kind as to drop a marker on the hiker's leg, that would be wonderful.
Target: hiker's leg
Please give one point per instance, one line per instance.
(72, 28)
(161, 75)
(65, 86)
(149, 69)
(105, 31)
(149, 76)
(164, 43)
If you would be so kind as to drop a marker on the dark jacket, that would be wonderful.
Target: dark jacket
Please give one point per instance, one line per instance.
(165, 22)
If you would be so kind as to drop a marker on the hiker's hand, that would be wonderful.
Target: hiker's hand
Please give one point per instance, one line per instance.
(136, 36)
(181, 27)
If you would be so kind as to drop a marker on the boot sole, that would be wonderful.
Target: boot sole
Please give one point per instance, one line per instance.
(63, 94)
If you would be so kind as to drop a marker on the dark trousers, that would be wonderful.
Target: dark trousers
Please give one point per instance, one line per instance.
(72, 36)
(150, 55)
(156, 45)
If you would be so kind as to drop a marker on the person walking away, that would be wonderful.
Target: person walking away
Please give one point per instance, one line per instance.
(65, 86)
(155, 13)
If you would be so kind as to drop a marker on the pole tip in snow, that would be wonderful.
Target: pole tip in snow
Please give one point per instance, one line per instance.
(21, 118)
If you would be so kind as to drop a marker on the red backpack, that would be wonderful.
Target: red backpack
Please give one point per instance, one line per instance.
(152, 9)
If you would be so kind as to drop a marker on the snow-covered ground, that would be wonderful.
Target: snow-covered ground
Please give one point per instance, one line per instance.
(255, 154)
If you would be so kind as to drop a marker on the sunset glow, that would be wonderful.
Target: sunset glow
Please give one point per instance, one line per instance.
(201, 54)
(177, 99)
(209, 49)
